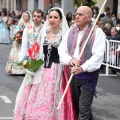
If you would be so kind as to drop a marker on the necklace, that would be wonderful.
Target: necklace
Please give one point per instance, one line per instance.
(54, 35)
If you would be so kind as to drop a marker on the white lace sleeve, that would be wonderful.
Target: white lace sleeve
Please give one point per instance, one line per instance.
(23, 52)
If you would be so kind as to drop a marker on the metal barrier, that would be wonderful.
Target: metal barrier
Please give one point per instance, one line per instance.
(112, 55)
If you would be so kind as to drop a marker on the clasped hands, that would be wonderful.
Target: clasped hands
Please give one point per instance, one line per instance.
(75, 67)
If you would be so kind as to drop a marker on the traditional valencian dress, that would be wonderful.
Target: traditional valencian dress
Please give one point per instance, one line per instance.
(39, 101)
(4, 32)
(11, 66)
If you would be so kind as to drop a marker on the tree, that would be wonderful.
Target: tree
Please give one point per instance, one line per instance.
(90, 3)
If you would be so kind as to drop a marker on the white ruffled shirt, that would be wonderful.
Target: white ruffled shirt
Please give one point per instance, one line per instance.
(97, 51)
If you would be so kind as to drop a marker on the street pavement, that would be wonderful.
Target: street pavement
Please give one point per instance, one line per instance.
(105, 107)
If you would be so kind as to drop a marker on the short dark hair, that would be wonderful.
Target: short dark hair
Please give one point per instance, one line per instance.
(38, 11)
(58, 11)
(107, 9)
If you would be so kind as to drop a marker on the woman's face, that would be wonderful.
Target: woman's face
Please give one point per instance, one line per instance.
(2, 14)
(54, 19)
(94, 11)
(26, 17)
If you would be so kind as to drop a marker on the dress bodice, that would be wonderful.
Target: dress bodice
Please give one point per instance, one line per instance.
(50, 49)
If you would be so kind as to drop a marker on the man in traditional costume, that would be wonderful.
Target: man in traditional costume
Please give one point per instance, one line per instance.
(86, 70)
(31, 33)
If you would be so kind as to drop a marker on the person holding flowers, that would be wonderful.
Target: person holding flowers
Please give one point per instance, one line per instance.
(38, 98)
(12, 67)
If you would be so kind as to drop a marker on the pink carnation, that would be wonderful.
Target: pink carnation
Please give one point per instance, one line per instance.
(29, 27)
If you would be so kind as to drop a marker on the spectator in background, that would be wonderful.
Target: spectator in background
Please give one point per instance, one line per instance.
(44, 18)
(113, 17)
(73, 19)
(100, 24)
(118, 21)
(107, 19)
(114, 49)
(18, 16)
(114, 34)
(95, 12)
(12, 14)
(107, 9)
(4, 17)
(107, 30)
(4, 32)
(5, 11)
(69, 18)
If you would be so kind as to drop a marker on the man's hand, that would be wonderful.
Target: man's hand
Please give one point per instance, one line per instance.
(74, 62)
(76, 70)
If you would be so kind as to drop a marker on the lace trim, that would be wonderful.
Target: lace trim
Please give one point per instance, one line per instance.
(49, 48)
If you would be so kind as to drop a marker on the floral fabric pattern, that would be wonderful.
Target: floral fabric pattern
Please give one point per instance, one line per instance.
(12, 66)
(40, 101)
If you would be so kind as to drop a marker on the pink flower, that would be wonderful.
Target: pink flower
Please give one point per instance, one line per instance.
(18, 35)
(29, 27)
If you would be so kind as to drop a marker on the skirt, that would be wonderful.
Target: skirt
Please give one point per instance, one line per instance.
(11, 66)
(4, 34)
(40, 101)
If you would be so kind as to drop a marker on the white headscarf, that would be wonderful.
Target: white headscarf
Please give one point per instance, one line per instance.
(18, 27)
(64, 27)
(22, 20)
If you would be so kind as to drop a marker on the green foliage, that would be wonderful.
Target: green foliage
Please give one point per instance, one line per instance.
(32, 65)
(90, 3)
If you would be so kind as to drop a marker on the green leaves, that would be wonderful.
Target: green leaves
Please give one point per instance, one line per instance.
(32, 65)
(90, 3)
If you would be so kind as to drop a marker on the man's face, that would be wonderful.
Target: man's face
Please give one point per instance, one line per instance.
(113, 32)
(37, 18)
(81, 17)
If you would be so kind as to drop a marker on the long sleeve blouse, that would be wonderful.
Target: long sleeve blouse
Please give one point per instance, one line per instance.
(98, 49)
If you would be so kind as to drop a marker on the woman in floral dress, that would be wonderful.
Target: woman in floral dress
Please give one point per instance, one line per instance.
(12, 66)
(39, 99)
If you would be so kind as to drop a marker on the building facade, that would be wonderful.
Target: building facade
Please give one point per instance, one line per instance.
(45, 5)
(8, 4)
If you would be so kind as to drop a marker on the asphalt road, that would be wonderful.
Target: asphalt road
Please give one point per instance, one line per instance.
(105, 107)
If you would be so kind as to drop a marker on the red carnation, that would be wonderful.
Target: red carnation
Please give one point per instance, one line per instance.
(33, 50)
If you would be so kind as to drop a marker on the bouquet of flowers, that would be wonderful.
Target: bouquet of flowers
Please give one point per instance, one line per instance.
(18, 36)
(31, 63)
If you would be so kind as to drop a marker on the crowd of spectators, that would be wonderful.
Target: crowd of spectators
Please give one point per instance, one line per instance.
(12, 17)
(109, 22)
